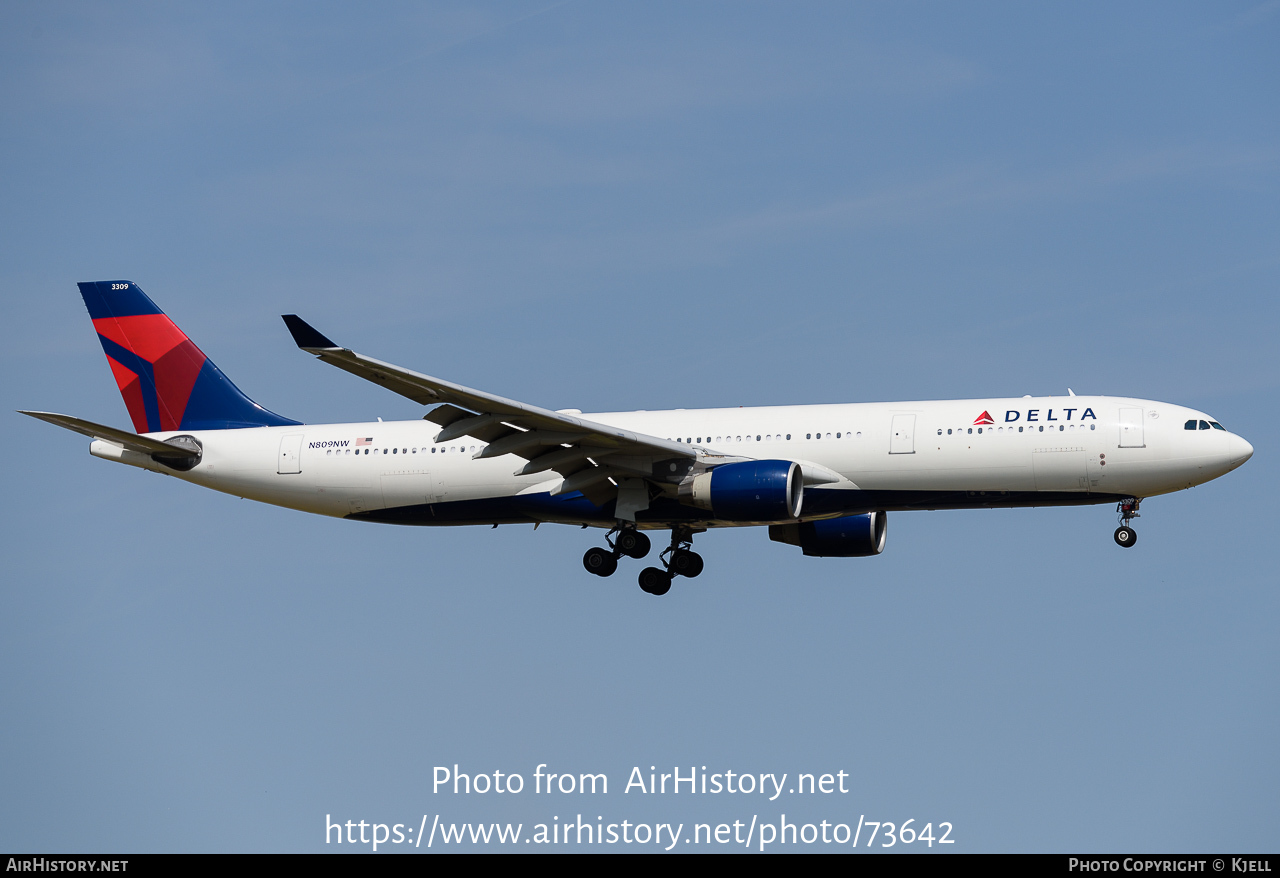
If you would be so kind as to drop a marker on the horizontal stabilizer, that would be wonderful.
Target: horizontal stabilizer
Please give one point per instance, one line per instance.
(123, 438)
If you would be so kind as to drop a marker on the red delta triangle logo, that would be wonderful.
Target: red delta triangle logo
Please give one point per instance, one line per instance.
(984, 418)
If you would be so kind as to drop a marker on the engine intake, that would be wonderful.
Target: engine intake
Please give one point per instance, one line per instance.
(853, 536)
(755, 490)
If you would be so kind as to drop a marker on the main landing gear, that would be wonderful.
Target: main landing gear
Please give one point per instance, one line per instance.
(622, 541)
(678, 559)
(1128, 510)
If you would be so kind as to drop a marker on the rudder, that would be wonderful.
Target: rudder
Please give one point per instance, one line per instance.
(167, 382)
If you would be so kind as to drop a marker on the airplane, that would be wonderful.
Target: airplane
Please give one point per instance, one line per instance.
(822, 478)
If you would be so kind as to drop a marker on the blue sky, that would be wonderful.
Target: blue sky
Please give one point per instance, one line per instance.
(608, 206)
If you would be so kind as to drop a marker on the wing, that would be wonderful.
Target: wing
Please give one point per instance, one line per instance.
(593, 458)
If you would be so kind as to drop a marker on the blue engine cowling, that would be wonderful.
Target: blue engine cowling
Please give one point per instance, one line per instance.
(754, 490)
(854, 536)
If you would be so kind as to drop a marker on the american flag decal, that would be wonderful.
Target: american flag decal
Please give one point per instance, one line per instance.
(368, 441)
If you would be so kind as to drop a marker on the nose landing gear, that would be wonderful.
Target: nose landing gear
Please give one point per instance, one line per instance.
(1128, 510)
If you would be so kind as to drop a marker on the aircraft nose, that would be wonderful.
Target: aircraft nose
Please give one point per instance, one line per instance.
(1240, 450)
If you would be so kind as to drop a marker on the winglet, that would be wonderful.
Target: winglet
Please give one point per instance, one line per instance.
(307, 336)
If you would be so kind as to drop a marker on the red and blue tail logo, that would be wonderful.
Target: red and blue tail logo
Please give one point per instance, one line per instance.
(166, 381)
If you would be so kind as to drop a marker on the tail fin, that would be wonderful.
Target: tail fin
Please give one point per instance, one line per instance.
(166, 381)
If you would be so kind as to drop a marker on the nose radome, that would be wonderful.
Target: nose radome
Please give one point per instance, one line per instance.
(1240, 450)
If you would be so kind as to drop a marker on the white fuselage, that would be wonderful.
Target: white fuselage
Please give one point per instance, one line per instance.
(1091, 447)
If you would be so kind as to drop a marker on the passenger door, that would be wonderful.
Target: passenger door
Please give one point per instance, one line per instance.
(290, 460)
(902, 435)
(1131, 429)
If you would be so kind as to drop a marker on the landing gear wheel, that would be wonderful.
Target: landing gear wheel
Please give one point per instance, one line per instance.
(685, 563)
(599, 561)
(632, 543)
(655, 581)
(1126, 536)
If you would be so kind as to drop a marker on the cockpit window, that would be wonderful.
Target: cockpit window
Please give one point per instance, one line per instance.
(1204, 425)
(1217, 426)
(1189, 425)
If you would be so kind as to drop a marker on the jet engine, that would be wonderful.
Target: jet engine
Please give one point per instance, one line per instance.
(853, 536)
(754, 490)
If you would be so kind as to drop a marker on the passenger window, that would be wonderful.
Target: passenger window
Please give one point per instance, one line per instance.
(971, 429)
